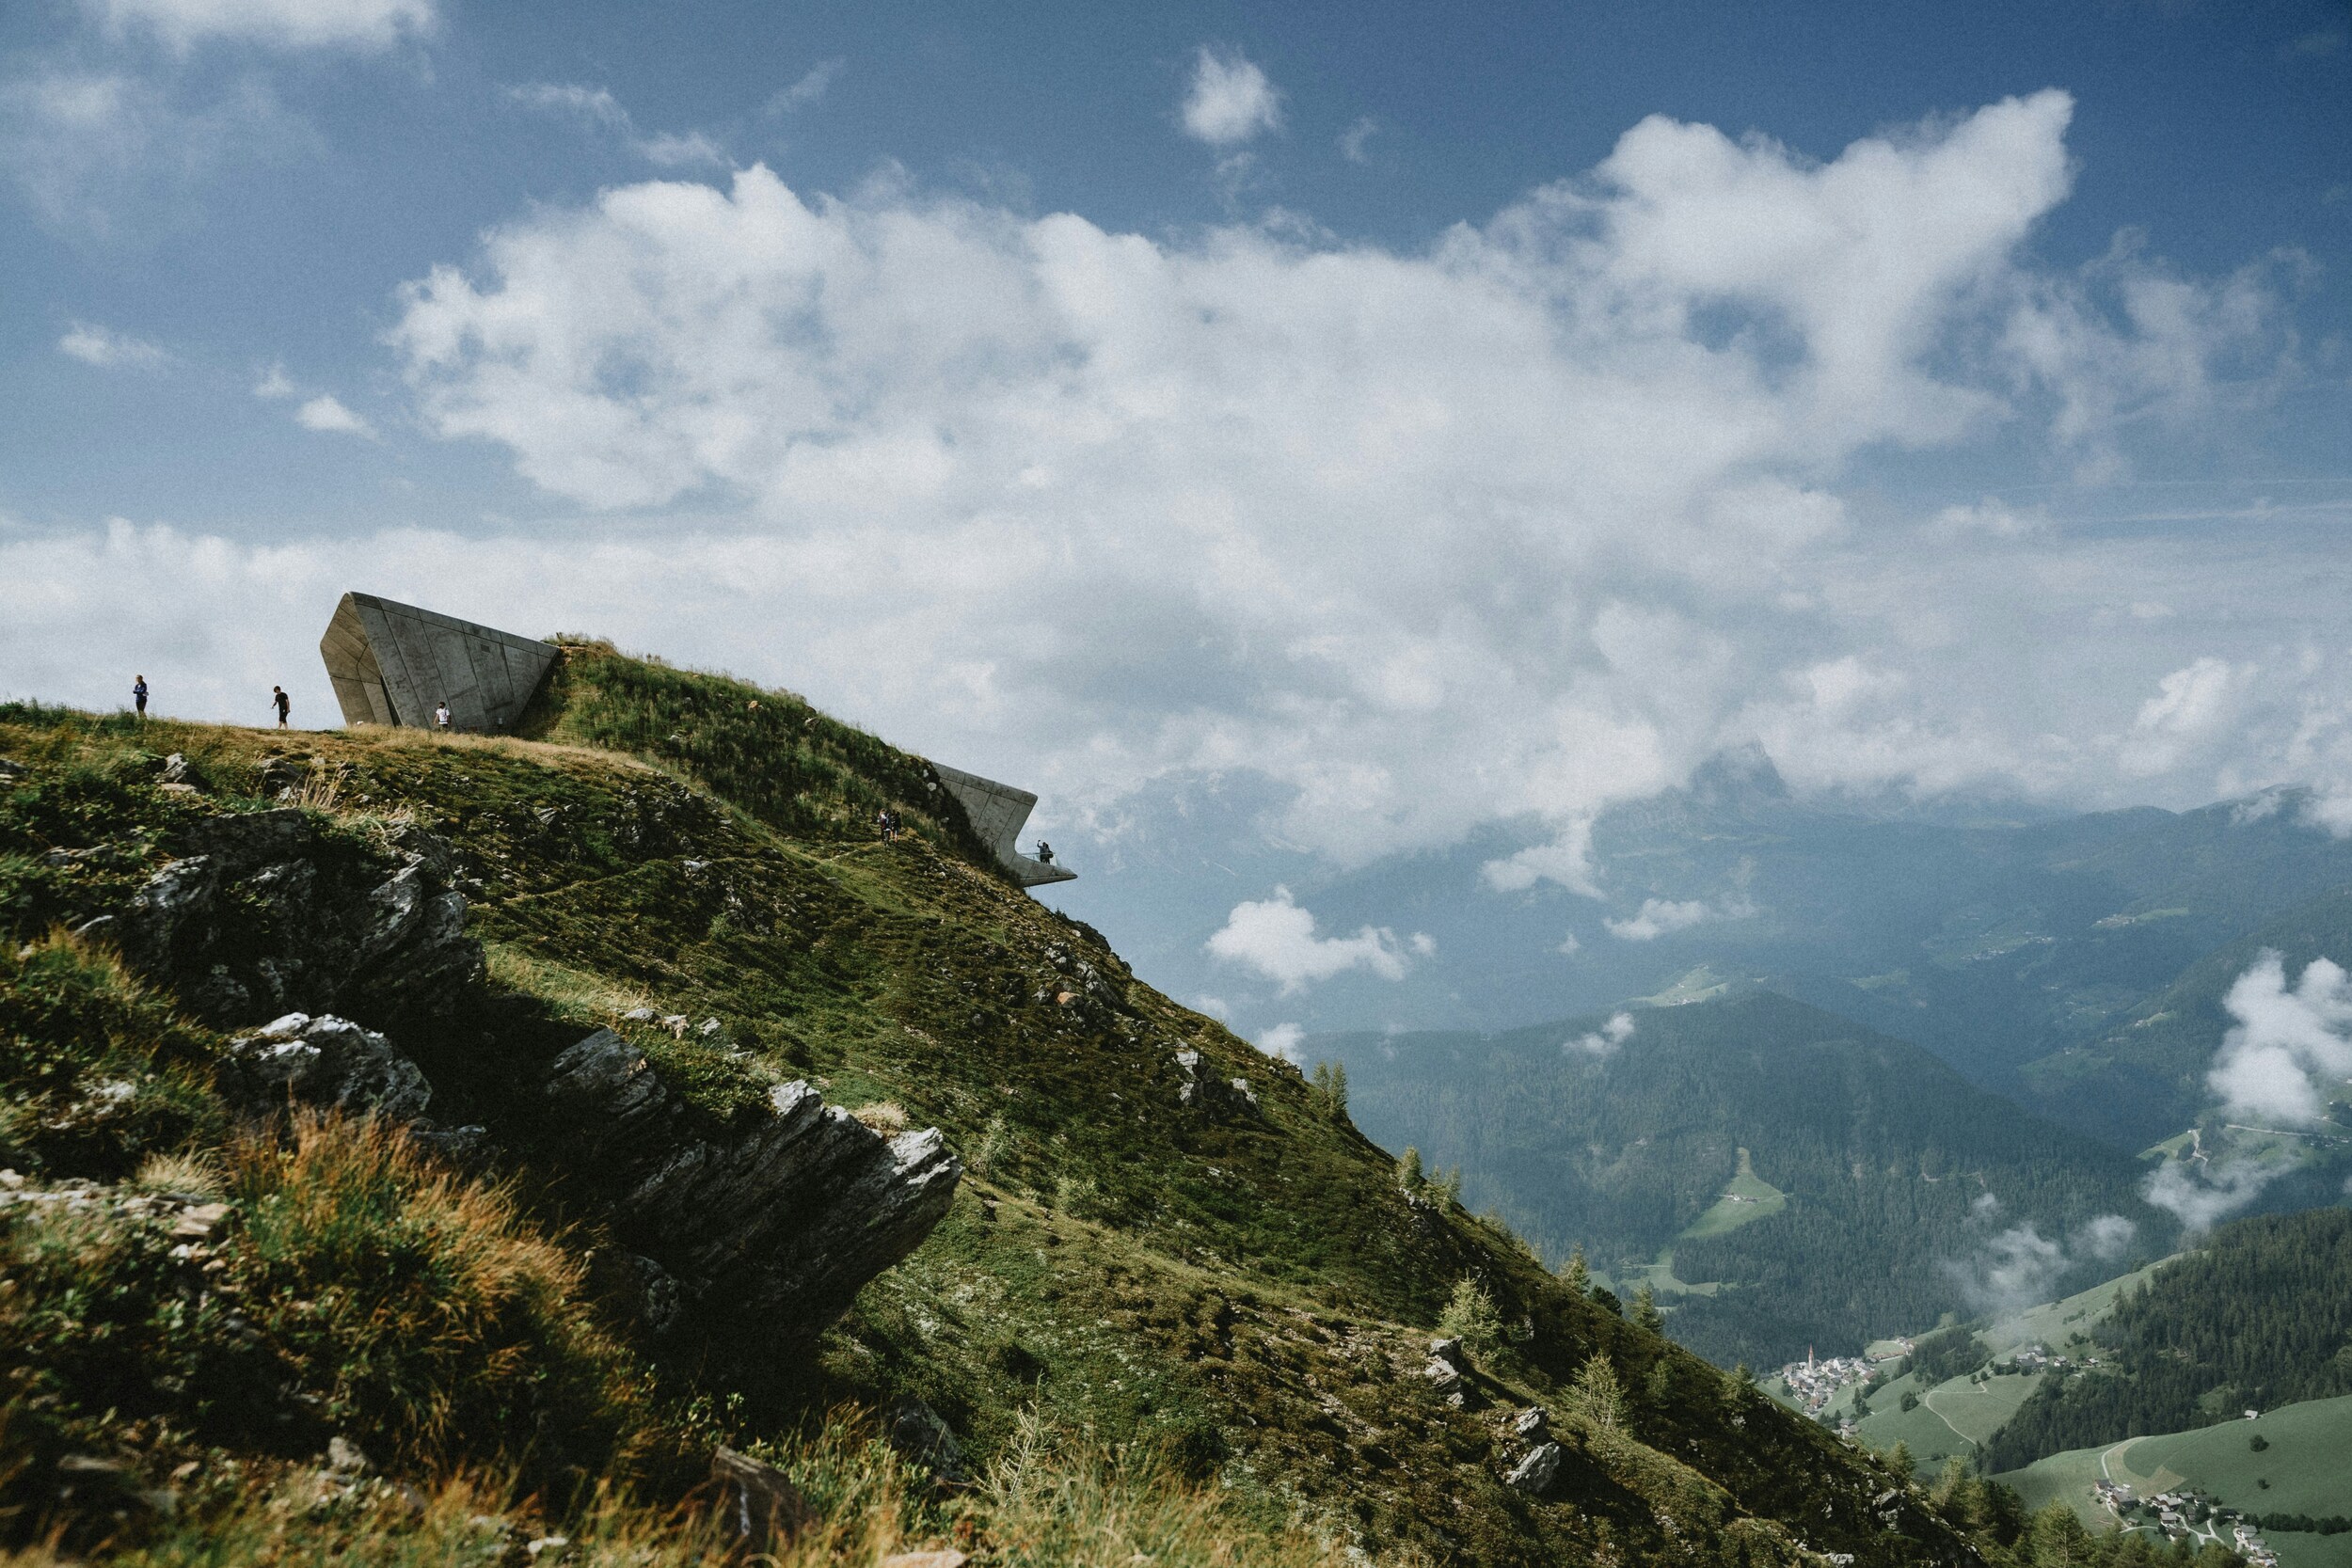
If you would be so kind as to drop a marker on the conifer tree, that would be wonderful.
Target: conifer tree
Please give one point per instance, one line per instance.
(1597, 1394)
(1574, 1274)
(1646, 1312)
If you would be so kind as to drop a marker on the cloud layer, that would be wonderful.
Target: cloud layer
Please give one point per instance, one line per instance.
(1507, 527)
(1496, 529)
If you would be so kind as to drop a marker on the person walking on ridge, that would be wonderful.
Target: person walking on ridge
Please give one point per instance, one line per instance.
(283, 703)
(139, 693)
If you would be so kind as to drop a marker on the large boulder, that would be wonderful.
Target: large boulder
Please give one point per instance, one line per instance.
(782, 1223)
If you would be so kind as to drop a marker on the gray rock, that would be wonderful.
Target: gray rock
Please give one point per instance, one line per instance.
(346, 1457)
(175, 769)
(467, 1147)
(1209, 1094)
(782, 1224)
(1443, 1377)
(760, 1508)
(327, 1062)
(919, 1433)
(1531, 1426)
(659, 1297)
(1537, 1472)
(1449, 1351)
(266, 913)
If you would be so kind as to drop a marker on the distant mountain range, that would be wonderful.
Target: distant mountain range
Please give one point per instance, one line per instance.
(2027, 951)
(1783, 1176)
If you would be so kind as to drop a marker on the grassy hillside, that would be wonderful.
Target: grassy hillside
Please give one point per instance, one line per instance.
(1133, 1295)
(2259, 1314)
(1864, 1156)
(2301, 1469)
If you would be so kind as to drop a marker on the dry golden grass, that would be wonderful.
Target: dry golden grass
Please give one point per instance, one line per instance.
(437, 1314)
(886, 1117)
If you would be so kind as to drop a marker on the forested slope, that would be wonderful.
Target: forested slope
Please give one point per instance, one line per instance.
(2259, 1314)
(1620, 1145)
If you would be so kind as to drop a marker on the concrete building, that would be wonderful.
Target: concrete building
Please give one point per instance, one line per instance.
(998, 812)
(394, 664)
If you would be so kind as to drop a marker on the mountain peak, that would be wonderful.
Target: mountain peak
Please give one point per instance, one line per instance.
(1742, 773)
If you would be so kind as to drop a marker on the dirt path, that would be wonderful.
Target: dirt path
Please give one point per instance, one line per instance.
(1927, 1399)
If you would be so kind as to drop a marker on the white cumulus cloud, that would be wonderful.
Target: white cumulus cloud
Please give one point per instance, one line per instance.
(103, 346)
(2193, 708)
(1230, 100)
(1658, 917)
(1276, 939)
(327, 414)
(1282, 1042)
(288, 23)
(2287, 1056)
(2290, 1052)
(1566, 860)
(1601, 1042)
(2020, 1267)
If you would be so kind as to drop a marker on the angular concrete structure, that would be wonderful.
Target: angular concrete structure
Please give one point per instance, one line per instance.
(394, 663)
(998, 812)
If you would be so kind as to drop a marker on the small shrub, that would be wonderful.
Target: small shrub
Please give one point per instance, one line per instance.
(1597, 1395)
(1471, 1317)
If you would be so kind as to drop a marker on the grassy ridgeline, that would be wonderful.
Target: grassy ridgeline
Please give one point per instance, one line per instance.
(1241, 1299)
(769, 752)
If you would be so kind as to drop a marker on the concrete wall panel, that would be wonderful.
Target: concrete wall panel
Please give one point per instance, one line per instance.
(393, 663)
(997, 812)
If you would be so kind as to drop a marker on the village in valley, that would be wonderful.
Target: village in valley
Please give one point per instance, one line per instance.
(2184, 1513)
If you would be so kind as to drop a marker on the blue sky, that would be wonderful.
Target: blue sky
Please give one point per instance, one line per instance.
(1405, 418)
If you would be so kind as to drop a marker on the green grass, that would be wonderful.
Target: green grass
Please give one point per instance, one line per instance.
(2053, 1323)
(1747, 1198)
(1954, 1418)
(2307, 1464)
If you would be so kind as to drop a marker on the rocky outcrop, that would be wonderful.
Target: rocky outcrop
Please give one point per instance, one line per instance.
(325, 1062)
(1210, 1094)
(782, 1223)
(269, 913)
(273, 914)
(1539, 1470)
